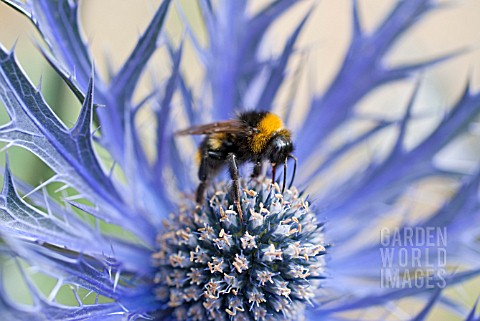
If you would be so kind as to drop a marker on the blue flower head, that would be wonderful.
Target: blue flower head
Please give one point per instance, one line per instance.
(296, 254)
(211, 265)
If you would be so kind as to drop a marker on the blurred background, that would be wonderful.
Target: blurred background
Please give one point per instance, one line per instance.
(112, 27)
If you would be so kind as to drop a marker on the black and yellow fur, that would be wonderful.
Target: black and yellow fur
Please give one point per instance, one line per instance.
(251, 137)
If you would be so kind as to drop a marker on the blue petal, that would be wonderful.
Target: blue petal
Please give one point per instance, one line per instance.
(395, 294)
(22, 220)
(162, 114)
(386, 181)
(277, 72)
(35, 127)
(428, 307)
(58, 22)
(361, 72)
(471, 315)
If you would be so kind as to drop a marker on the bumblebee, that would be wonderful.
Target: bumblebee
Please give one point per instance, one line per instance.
(251, 137)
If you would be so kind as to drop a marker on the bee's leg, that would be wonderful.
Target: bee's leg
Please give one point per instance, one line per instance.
(257, 169)
(200, 194)
(274, 170)
(203, 172)
(232, 166)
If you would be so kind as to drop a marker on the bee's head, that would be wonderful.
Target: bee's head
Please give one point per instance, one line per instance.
(279, 148)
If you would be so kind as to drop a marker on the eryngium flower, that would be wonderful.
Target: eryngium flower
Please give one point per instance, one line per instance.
(211, 265)
(176, 271)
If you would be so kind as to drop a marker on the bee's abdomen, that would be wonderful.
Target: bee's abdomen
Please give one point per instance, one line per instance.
(219, 145)
(216, 141)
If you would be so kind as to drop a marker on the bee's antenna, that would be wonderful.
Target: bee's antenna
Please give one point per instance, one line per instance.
(294, 169)
(284, 175)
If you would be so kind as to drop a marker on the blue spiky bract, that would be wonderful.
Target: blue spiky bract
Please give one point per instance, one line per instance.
(189, 262)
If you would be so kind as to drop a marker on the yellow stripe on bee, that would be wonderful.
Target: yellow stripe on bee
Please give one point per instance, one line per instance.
(215, 141)
(198, 156)
(266, 128)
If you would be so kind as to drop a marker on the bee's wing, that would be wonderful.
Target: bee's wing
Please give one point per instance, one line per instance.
(232, 126)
